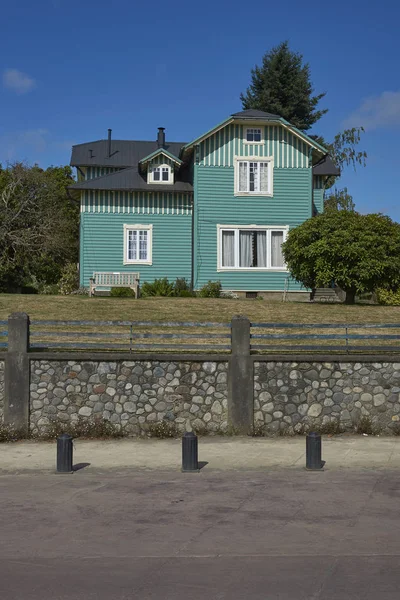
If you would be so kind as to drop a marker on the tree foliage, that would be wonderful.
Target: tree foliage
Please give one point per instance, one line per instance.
(282, 86)
(339, 200)
(39, 225)
(358, 252)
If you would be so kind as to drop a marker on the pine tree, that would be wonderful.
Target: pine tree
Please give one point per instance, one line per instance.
(282, 86)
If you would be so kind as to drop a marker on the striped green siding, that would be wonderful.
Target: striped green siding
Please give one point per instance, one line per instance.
(288, 151)
(102, 241)
(140, 203)
(161, 159)
(216, 204)
(318, 194)
(93, 172)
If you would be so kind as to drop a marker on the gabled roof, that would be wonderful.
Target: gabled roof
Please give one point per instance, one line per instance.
(260, 116)
(252, 113)
(326, 166)
(161, 151)
(130, 180)
(124, 153)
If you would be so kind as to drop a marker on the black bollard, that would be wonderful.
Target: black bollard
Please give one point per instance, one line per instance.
(64, 454)
(190, 463)
(313, 452)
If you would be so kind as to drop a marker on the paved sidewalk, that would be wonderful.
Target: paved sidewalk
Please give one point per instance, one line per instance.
(220, 453)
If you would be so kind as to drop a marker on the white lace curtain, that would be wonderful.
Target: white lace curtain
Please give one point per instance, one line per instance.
(261, 248)
(228, 248)
(276, 249)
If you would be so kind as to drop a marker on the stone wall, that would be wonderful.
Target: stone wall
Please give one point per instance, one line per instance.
(1, 390)
(291, 395)
(132, 395)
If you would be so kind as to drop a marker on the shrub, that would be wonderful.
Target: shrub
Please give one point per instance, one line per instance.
(120, 292)
(212, 289)
(388, 297)
(9, 434)
(186, 294)
(51, 289)
(69, 281)
(159, 287)
(162, 430)
(82, 428)
(182, 288)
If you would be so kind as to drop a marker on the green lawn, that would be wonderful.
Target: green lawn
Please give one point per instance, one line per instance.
(190, 309)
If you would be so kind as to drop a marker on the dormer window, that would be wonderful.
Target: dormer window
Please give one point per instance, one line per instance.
(161, 174)
(253, 135)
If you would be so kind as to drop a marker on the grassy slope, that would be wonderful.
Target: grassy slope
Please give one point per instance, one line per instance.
(190, 309)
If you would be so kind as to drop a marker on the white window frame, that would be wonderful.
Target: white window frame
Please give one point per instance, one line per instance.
(150, 175)
(246, 129)
(237, 228)
(138, 227)
(249, 159)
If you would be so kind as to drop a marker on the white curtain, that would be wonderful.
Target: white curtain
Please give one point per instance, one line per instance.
(245, 249)
(264, 177)
(261, 248)
(243, 177)
(228, 248)
(276, 249)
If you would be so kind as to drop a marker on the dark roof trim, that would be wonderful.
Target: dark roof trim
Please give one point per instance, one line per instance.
(326, 166)
(129, 180)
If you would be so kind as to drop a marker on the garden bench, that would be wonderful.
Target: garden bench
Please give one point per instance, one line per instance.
(109, 280)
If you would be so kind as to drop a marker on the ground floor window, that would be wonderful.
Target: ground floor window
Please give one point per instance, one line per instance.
(250, 247)
(138, 240)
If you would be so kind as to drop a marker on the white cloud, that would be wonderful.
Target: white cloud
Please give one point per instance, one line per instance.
(17, 81)
(376, 111)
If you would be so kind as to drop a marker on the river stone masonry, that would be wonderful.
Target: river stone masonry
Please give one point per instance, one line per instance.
(291, 395)
(1, 390)
(131, 394)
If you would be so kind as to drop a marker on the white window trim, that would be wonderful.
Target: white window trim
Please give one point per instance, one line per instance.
(237, 228)
(245, 129)
(138, 227)
(170, 174)
(260, 159)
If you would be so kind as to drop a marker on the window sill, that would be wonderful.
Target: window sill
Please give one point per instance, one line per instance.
(262, 194)
(257, 143)
(252, 269)
(137, 262)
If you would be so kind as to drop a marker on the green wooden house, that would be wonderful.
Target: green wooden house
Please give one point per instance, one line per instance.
(217, 208)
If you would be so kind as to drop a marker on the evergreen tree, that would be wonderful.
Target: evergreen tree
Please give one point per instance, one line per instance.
(282, 86)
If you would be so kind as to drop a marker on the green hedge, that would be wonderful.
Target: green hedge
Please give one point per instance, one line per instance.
(388, 297)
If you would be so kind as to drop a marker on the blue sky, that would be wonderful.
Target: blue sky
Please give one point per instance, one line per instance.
(69, 70)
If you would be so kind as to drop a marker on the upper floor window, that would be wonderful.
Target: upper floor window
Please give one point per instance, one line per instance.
(253, 135)
(161, 174)
(253, 176)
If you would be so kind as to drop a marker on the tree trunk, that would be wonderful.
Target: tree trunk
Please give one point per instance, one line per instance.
(350, 297)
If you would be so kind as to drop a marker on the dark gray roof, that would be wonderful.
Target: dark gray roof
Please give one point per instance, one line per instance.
(129, 180)
(252, 113)
(326, 166)
(124, 153)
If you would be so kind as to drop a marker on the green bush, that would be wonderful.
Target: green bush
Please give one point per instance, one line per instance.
(388, 297)
(212, 289)
(121, 292)
(69, 281)
(186, 294)
(51, 289)
(159, 287)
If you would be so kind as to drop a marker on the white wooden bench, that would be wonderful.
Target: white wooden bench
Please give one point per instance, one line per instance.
(110, 280)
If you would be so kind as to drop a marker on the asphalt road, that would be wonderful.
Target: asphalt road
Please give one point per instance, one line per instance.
(284, 534)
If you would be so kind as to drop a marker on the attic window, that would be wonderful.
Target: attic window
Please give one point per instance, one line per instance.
(161, 174)
(253, 136)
